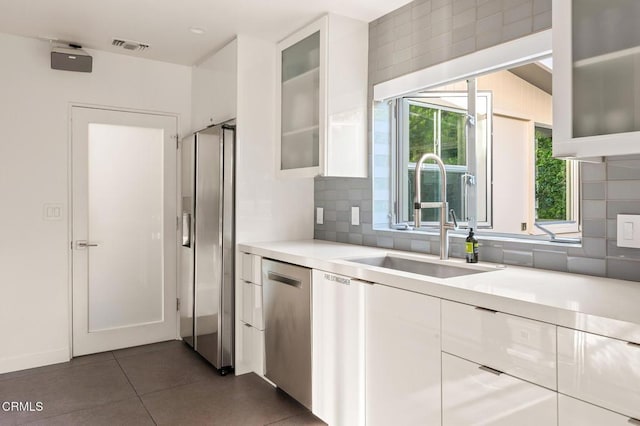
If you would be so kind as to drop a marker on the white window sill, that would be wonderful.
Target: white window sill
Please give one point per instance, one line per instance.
(482, 236)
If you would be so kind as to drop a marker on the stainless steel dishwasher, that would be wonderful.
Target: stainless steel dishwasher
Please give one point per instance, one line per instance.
(287, 328)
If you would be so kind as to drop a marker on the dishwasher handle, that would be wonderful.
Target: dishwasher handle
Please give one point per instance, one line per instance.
(274, 276)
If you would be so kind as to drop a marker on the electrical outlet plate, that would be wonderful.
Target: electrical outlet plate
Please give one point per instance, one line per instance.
(628, 230)
(355, 216)
(319, 215)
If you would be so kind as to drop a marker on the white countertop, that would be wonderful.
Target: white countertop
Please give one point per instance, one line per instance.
(598, 305)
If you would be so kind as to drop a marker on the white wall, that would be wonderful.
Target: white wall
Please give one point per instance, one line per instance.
(34, 123)
(267, 208)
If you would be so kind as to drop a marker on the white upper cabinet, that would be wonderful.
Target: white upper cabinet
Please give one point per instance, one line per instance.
(214, 88)
(596, 78)
(322, 100)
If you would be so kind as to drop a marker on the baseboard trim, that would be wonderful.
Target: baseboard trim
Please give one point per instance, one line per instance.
(38, 359)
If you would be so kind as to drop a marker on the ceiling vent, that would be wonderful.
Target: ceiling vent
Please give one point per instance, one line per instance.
(133, 46)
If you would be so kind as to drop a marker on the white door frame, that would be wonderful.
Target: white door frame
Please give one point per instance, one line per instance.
(70, 107)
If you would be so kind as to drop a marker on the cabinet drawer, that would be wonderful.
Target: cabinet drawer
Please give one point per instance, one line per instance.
(573, 412)
(518, 346)
(253, 348)
(247, 299)
(252, 305)
(600, 370)
(251, 270)
(472, 395)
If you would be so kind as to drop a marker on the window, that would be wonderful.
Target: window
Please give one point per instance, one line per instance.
(556, 197)
(438, 122)
(494, 135)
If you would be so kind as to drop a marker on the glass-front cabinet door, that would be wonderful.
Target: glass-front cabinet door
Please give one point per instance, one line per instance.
(301, 96)
(322, 100)
(300, 103)
(596, 77)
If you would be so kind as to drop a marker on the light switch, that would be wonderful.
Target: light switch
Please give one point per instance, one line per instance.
(355, 216)
(628, 230)
(319, 215)
(52, 211)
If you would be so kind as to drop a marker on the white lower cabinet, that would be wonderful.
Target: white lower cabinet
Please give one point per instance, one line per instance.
(573, 412)
(475, 395)
(517, 346)
(600, 370)
(402, 357)
(253, 348)
(251, 270)
(338, 362)
(252, 305)
(248, 293)
(249, 347)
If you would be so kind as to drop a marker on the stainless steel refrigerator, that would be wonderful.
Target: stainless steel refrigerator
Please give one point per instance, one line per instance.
(207, 252)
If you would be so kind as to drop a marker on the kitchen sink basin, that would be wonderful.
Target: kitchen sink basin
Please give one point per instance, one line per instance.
(430, 269)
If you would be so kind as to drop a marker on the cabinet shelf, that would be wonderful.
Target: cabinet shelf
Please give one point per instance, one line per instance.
(302, 76)
(607, 57)
(298, 131)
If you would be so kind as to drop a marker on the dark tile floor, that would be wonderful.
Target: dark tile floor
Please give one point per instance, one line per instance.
(164, 384)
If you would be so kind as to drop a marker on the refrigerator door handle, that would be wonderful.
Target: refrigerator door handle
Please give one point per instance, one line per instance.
(186, 229)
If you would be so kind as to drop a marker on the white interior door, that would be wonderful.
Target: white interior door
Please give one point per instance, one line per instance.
(123, 230)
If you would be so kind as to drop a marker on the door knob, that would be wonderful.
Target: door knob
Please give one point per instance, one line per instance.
(85, 244)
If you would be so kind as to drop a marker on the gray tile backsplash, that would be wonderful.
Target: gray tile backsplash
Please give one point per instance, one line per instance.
(555, 260)
(623, 269)
(424, 33)
(517, 257)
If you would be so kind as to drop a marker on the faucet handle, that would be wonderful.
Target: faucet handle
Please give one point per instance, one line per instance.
(455, 219)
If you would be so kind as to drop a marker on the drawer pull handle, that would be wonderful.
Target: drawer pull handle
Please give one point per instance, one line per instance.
(635, 345)
(490, 370)
(493, 311)
(634, 421)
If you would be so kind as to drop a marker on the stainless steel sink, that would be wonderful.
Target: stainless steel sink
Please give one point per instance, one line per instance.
(430, 269)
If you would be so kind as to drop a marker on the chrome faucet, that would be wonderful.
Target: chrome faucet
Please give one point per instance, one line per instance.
(418, 205)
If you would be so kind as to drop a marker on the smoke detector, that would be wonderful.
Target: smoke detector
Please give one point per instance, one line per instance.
(132, 46)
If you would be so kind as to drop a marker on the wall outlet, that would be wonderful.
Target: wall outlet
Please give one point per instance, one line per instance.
(319, 215)
(355, 216)
(628, 230)
(523, 226)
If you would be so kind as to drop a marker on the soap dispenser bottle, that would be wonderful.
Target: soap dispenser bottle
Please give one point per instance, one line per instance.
(471, 248)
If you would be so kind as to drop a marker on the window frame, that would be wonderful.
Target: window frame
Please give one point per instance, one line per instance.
(400, 152)
(574, 223)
